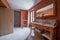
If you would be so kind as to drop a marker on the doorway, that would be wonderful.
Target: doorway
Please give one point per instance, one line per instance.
(17, 19)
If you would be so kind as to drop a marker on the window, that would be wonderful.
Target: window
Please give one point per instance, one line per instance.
(32, 16)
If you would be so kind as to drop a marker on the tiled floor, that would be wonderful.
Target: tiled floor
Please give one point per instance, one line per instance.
(18, 34)
(21, 34)
(36, 37)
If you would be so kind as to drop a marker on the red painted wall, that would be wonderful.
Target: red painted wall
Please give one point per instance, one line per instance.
(41, 4)
(24, 17)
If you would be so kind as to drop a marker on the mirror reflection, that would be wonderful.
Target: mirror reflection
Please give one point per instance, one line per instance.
(45, 11)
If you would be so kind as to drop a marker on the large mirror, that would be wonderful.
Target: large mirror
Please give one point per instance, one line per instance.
(45, 11)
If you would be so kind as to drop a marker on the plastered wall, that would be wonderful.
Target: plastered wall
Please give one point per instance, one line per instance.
(6, 21)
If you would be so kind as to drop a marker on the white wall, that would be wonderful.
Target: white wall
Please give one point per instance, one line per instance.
(28, 18)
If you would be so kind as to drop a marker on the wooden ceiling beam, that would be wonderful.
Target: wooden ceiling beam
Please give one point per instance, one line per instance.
(4, 3)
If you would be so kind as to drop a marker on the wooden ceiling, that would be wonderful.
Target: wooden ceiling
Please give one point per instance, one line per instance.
(3, 3)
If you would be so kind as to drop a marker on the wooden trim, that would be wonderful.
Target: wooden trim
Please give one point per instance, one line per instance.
(5, 3)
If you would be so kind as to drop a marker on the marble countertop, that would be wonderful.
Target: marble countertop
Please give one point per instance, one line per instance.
(49, 25)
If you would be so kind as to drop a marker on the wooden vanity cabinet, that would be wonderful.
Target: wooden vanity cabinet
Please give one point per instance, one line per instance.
(43, 30)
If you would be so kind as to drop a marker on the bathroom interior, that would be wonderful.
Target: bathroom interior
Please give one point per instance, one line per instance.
(29, 20)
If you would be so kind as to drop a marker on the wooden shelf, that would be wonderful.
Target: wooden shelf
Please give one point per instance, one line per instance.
(46, 36)
(37, 30)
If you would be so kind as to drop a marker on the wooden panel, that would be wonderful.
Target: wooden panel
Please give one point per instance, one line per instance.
(58, 17)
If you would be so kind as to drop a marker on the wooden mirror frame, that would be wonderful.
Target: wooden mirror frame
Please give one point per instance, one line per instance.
(51, 16)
